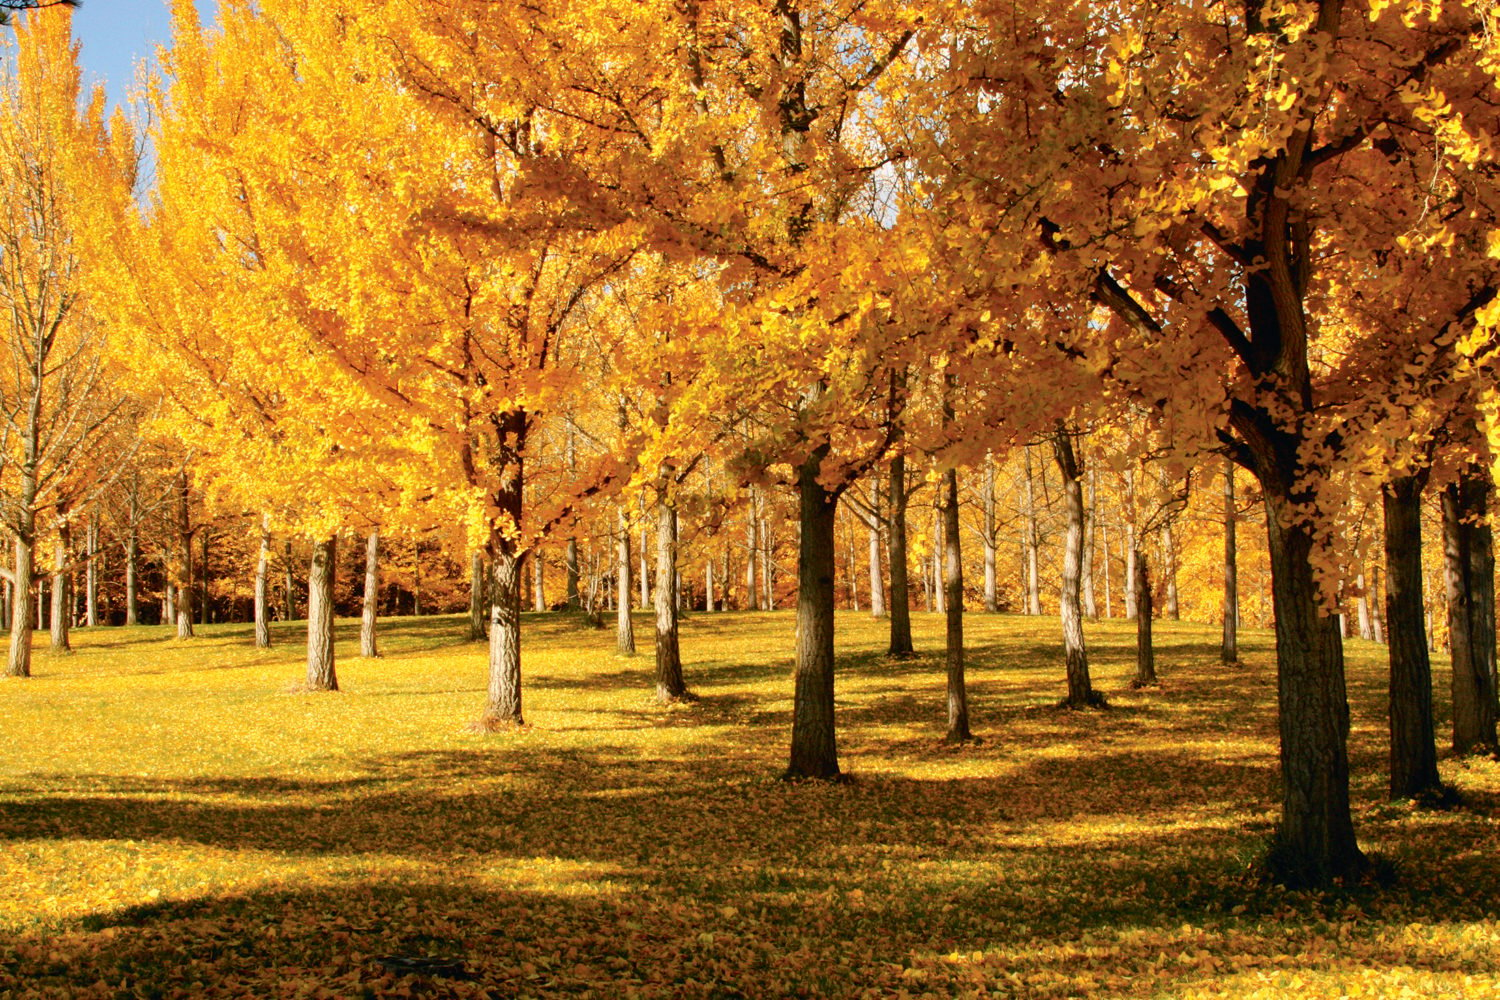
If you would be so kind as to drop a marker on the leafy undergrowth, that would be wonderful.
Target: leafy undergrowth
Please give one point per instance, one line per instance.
(175, 823)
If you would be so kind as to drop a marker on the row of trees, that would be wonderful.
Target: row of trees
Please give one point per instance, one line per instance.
(503, 270)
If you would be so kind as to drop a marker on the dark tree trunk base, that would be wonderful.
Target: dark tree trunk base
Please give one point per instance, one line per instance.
(1093, 700)
(496, 724)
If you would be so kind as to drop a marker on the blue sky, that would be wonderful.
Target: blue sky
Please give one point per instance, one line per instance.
(117, 34)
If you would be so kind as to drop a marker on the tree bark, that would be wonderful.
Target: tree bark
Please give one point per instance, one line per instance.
(1377, 614)
(1033, 540)
(987, 534)
(1362, 607)
(1090, 608)
(670, 686)
(91, 574)
(1081, 692)
(477, 612)
(18, 663)
(132, 578)
(900, 644)
(503, 707)
(1413, 741)
(1229, 646)
(538, 580)
(1109, 610)
(203, 603)
(263, 587)
(289, 582)
(1131, 548)
(62, 597)
(1145, 648)
(752, 547)
(1469, 564)
(877, 583)
(1169, 567)
(369, 646)
(321, 675)
(814, 751)
(940, 598)
(953, 583)
(570, 569)
(624, 627)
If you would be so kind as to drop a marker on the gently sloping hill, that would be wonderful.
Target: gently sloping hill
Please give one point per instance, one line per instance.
(170, 829)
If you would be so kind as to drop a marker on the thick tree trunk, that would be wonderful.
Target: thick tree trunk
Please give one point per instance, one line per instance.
(624, 627)
(477, 610)
(369, 646)
(1469, 563)
(1315, 843)
(18, 663)
(1229, 646)
(987, 534)
(320, 667)
(814, 752)
(503, 706)
(1145, 648)
(62, 597)
(953, 584)
(1413, 741)
(901, 644)
(132, 576)
(670, 686)
(570, 569)
(263, 587)
(1081, 692)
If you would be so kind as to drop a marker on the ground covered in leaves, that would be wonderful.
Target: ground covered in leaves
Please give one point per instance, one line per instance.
(176, 822)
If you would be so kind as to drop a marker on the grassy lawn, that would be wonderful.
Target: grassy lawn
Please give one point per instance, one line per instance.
(175, 822)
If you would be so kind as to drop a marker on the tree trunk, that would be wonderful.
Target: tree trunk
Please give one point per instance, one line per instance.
(670, 686)
(203, 603)
(940, 598)
(570, 568)
(752, 546)
(1145, 649)
(168, 603)
(1090, 608)
(1033, 540)
(624, 627)
(1469, 562)
(263, 587)
(1129, 581)
(1413, 741)
(768, 566)
(320, 667)
(877, 583)
(1229, 647)
(1362, 607)
(1169, 566)
(987, 533)
(538, 583)
(503, 706)
(368, 645)
(477, 615)
(132, 581)
(1109, 610)
(91, 575)
(62, 612)
(953, 583)
(1081, 692)
(814, 752)
(1377, 616)
(290, 584)
(901, 644)
(1315, 843)
(18, 663)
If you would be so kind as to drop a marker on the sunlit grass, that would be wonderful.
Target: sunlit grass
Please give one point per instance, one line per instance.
(174, 821)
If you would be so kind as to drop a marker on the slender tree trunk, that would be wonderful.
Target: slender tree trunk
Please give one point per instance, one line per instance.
(1362, 607)
(752, 546)
(768, 567)
(1413, 741)
(1033, 539)
(203, 605)
(169, 603)
(263, 587)
(1145, 649)
(901, 644)
(1090, 608)
(938, 593)
(570, 568)
(62, 612)
(368, 645)
(814, 752)
(1469, 563)
(538, 581)
(877, 582)
(1377, 615)
(1229, 647)
(708, 584)
(478, 615)
(185, 552)
(987, 533)
(1131, 549)
(624, 627)
(670, 686)
(1081, 692)
(289, 583)
(320, 666)
(1109, 606)
(953, 583)
(1169, 565)
(132, 579)
(91, 574)
(21, 623)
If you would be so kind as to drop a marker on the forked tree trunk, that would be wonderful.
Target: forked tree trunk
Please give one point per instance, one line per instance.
(624, 627)
(62, 613)
(1469, 563)
(1413, 741)
(901, 644)
(263, 587)
(18, 663)
(670, 686)
(1229, 646)
(321, 675)
(953, 583)
(478, 611)
(1145, 648)
(1081, 692)
(814, 751)
(369, 646)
